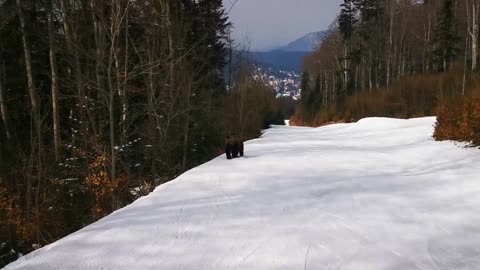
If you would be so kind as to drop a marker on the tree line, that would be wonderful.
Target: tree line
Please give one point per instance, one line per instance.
(100, 101)
(398, 58)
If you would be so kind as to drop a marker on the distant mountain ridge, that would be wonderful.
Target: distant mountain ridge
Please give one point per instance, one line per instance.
(307, 43)
(279, 60)
(289, 57)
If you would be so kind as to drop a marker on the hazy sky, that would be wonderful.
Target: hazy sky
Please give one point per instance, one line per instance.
(271, 23)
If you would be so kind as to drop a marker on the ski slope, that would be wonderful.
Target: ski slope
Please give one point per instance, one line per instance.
(377, 194)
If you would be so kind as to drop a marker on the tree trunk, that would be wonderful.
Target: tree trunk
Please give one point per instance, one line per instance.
(34, 99)
(345, 70)
(3, 102)
(55, 89)
(186, 134)
(230, 59)
(99, 46)
(77, 69)
(474, 31)
(171, 47)
(113, 87)
(390, 45)
(326, 91)
(465, 64)
(36, 117)
(152, 124)
(123, 96)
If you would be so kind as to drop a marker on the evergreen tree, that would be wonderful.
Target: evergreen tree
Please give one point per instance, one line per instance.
(370, 10)
(208, 40)
(305, 87)
(136, 100)
(446, 39)
(347, 19)
(317, 94)
(307, 93)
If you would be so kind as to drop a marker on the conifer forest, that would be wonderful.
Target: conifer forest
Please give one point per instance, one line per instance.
(101, 101)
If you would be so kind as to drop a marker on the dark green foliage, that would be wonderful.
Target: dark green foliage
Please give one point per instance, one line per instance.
(347, 19)
(306, 87)
(312, 95)
(208, 38)
(164, 87)
(287, 106)
(274, 118)
(446, 38)
(317, 94)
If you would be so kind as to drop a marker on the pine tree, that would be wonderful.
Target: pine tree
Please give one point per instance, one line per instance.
(138, 101)
(208, 40)
(305, 86)
(446, 40)
(347, 19)
(347, 22)
(317, 94)
(306, 91)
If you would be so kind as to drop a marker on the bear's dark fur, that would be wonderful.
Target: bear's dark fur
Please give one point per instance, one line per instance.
(233, 147)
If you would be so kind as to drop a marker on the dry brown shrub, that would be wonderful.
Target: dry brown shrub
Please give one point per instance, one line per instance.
(458, 118)
(413, 96)
(104, 190)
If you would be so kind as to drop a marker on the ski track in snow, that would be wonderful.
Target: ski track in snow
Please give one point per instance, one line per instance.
(377, 194)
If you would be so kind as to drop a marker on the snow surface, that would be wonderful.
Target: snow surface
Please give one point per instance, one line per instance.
(377, 194)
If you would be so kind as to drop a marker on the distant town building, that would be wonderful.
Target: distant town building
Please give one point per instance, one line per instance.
(284, 83)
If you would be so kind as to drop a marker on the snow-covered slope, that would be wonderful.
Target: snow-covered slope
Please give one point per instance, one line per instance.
(377, 194)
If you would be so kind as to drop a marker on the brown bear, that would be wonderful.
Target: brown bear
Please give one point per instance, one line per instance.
(233, 147)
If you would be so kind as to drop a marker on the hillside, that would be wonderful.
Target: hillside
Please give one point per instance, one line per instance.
(279, 60)
(377, 194)
(307, 43)
(289, 57)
